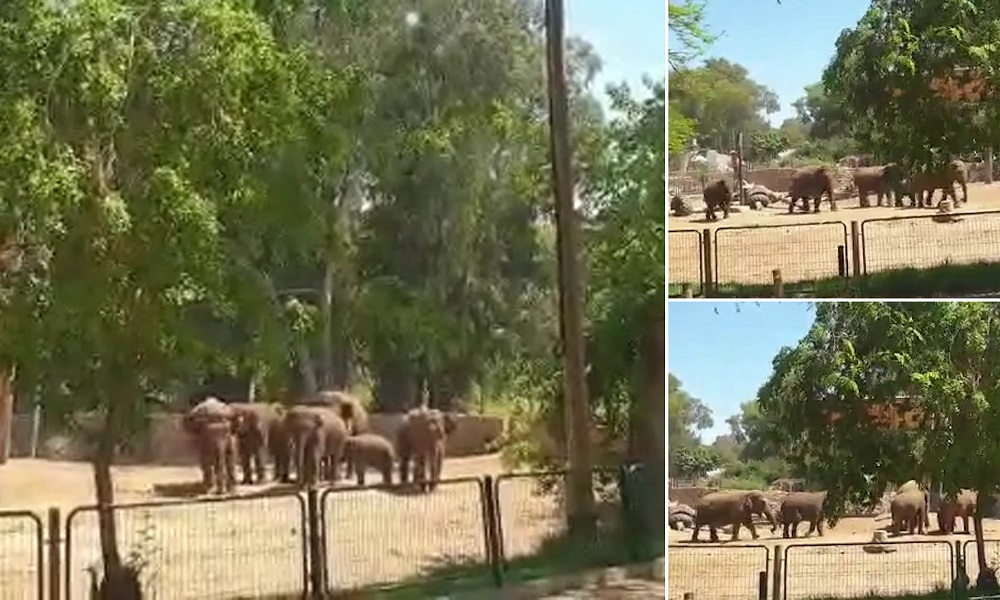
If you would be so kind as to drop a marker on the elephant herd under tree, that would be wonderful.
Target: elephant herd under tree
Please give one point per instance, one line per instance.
(908, 509)
(890, 182)
(313, 438)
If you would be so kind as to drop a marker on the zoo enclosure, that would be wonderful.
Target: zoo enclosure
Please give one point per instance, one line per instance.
(703, 262)
(285, 544)
(802, 571)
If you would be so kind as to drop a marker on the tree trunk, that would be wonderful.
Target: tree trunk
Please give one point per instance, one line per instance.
(326, 316)
(395, 387)
(652, 441)
(7, 375)
(987, 580)
(104, 487)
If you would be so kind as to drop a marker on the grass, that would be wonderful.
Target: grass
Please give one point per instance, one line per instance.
(945, 281)
(557, 556)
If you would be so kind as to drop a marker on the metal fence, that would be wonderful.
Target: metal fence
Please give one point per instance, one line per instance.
(22, 549)
(283, 544)
(806, 252)
(838, 570)
(236, 547)
(718, 572)
(687, 265)
(383, 535)
(803, 252)
(924, 241)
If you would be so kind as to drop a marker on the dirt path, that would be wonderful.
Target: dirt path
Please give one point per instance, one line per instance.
(250, 546)
(809, 250)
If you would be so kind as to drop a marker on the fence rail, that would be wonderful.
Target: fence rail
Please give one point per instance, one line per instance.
(286, 544)
(22, 549)
(804, 253)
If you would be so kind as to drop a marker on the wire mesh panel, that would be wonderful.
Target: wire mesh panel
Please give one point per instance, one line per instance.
(685, 256)
(858, 570)
(928, 241)
(972, 557)
(714, 572)
(243, 547)
(382, 536)
(21, 550)
(803, 252)
(531, 508)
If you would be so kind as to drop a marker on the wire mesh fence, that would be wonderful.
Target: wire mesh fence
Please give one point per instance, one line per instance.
(717, 572)
(930, 240)
(245, 547)
(803, 252)
(839, 570)
(531, 508)
(686, 262)
(21, 551)
(380, 536)
(971, 556)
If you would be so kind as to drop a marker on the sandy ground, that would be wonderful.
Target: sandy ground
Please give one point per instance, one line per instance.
(841, 568)
(253, 545)
(749, 255)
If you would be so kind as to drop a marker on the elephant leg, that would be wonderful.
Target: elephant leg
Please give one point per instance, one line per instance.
(694, 534)
(335, 456)
(245, 460)
(387, 472)
(258, 464)
(218, 468)
(786, 529)
(360, 466)
(205, 463)
(819, 525)
(750, 526)
(420, 470)
(229, 464)
(404, 468)
(713, 533)
(436, 465)
(965, 523)
(795, 528)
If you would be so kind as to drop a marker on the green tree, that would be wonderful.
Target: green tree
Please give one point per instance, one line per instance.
(890, 71)
(834, 396)
(723, 100)
(686, 415)
(686, 23)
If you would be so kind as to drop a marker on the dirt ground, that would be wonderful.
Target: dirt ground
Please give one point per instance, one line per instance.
(838, 566)
(749, 255)
(253, 545)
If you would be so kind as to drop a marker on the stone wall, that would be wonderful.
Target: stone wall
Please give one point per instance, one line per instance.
(166, 443)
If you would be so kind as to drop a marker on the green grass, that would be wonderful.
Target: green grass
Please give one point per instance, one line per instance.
(558, 556)
(944, 281)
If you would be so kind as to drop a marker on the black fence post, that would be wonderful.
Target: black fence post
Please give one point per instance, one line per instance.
(762, 585)
(53, 554)
(317, 550)
(492, 530)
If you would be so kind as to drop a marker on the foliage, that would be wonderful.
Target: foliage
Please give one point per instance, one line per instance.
(685, 415)
(835, 396)
(722, 99)
(686, 22)
(891, 71)
(681, 130)
(695, 461)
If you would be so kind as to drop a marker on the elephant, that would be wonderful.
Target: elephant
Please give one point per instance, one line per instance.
(210, 422)
(811, 182)
(962, 506)
(260, 426)
(908, 509)
(317, 435)
(717, 195)
(422, 438)
(944, 179)
(802, 506)
(735, 508)
(911, 485)
(370, 450)
(884, 181)
(350, 408)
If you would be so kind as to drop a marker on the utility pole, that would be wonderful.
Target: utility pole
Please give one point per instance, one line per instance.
(580, 510)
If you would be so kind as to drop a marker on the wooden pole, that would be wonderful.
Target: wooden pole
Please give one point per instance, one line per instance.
(581, 511)
(779, 284)
(687, 291)
(6, 412)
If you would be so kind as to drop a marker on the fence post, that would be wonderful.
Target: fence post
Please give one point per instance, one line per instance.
(856, 248)
(687, 291)
(490, 508)
(960, 585)
(778, 572)
(706, 257)
(54, 525)
(317, 551)
(779, 283)
(762, 585)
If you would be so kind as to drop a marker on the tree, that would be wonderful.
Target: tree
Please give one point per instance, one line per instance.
(836, 400)
(909, 76)
(722, 99)
(686, 21)
(152, 142)
(686, 415)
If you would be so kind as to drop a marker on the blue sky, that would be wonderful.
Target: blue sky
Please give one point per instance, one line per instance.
(630, 41)
(786, 46)
(723, 356)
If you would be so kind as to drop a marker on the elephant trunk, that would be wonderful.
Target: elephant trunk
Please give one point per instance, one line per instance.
(770, 517)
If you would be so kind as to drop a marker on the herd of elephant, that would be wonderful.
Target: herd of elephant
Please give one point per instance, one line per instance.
(908, 507)
(315, 438)
(890, 183)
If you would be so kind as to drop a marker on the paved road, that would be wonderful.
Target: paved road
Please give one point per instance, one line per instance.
(629, 589)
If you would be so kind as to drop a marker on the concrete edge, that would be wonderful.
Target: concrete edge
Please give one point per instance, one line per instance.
(531, 590)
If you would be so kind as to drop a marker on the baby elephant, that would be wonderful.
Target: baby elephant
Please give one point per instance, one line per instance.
(370, 450)
(802, 506)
